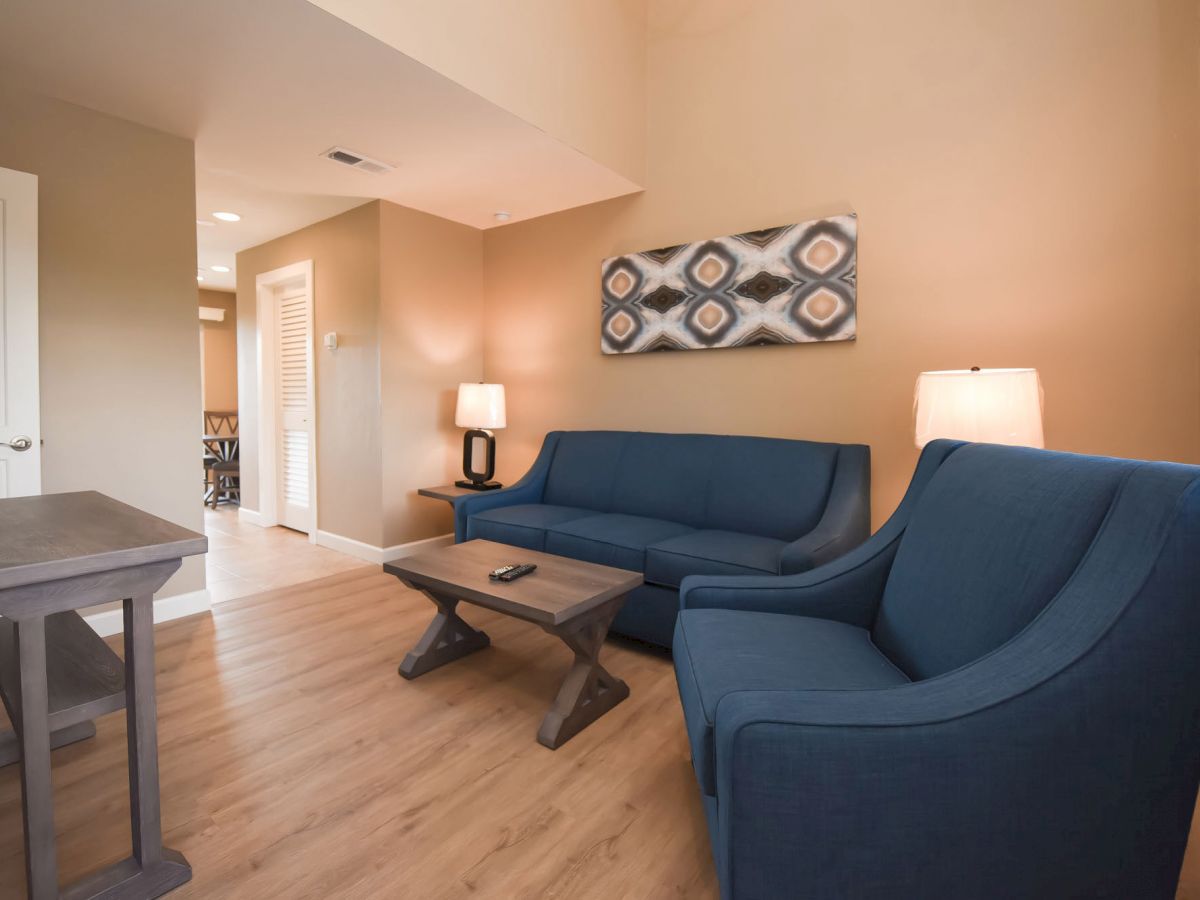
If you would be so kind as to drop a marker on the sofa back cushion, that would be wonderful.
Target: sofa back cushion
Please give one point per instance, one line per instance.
(765, 486)
(995, 535)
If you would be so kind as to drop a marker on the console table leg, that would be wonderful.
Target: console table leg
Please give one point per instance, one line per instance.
(589, 690)
(37, 796)
(141, 731)
(447, 638)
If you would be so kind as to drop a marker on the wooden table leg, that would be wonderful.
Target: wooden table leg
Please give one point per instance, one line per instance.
(153, 870)
(37, 796)
(446, 639)
(589, 690)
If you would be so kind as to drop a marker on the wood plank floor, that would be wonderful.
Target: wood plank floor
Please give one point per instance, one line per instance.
(296, 763)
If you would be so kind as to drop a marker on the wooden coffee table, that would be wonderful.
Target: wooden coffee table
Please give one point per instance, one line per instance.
(574, 600)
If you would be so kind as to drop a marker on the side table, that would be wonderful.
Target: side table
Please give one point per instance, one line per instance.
(60, 553)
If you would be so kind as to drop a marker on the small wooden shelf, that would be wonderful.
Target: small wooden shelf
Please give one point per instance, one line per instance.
(85, 678)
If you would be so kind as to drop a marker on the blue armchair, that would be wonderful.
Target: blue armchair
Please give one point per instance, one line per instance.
(997, 695)
(673, 505)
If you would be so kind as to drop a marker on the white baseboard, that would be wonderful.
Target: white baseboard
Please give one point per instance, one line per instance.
(399, 551)
(379, 555)
(249, 516)
(112, 621)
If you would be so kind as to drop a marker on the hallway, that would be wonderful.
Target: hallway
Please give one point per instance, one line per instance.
(246, 559)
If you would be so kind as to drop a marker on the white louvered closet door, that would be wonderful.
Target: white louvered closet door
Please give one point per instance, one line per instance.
(294, 416)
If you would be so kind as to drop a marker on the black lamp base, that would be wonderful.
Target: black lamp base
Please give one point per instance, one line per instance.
(479, 485)
(479, 481)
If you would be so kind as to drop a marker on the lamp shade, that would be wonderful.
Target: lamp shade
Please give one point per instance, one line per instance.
(995, 406)
(480, 406)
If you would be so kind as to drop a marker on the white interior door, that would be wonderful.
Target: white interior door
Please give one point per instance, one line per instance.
(20, 440)
(294, 418)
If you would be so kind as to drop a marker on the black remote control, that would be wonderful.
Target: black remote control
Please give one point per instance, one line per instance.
(512, 573)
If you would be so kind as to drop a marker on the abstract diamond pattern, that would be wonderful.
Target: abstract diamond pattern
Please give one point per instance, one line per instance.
(790, 284)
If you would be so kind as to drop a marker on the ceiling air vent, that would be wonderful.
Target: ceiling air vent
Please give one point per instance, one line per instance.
(357, 160)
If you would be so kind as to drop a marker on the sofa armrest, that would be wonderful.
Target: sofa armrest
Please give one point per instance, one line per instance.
(846, 522)
(528, 489)
(848, 589)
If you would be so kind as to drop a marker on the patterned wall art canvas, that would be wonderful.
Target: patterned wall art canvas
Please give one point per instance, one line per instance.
(794, 284)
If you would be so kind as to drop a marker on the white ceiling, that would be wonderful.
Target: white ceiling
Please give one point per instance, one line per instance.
(264, 87)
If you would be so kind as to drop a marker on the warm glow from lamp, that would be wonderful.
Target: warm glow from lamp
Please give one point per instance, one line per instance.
(480, 406)
(995, 406)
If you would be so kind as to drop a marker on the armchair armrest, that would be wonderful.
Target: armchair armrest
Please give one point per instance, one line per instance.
(846, 521)
(848, 589)
(528, 489)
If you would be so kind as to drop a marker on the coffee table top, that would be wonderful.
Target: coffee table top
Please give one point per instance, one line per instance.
(559, 590)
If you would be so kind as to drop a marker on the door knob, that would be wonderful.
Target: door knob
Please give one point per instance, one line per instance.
(20, 443)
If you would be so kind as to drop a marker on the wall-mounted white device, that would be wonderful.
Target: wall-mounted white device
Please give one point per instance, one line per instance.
(331, 341)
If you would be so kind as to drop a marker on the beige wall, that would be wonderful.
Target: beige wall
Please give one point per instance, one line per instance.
(573, 68)
(219, 357)
(1026, 182)
(432, 338)
(345, 254)
(412, 283)
(120, 360)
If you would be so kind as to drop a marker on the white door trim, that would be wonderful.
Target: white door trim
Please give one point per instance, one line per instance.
(20, 410)
(268, 363)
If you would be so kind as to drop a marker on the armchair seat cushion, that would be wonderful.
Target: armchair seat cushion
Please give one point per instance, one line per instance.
(711, 553)
(521, 526)
(611, 539)
(719, 652)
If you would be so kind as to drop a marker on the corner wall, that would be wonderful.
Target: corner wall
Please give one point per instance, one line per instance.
(431, 335)
(120, 355)
(404, 291)
(1026, 182)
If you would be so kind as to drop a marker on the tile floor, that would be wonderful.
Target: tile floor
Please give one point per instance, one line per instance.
(247, 559)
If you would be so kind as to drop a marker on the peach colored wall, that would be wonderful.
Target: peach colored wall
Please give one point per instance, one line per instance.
(573, 68)
(1026, 183)
(120, 359)
(345, 254)
(431, 338)
(219, 340)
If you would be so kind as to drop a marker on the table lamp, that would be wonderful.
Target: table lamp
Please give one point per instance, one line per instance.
(995, 406)
(480, 409)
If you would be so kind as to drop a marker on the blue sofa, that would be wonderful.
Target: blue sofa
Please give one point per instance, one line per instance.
(996, 696)
(673, 505)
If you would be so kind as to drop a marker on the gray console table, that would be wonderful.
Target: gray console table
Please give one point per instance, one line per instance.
(60, 553)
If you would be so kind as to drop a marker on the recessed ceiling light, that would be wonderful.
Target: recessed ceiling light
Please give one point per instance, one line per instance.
(219, 268)
(227, 216)
(502, 215)
(205, 223)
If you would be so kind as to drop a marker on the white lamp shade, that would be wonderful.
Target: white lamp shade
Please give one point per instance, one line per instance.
(480, 406)
(995, 406)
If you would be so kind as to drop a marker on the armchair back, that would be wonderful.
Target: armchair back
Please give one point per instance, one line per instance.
(995, 536)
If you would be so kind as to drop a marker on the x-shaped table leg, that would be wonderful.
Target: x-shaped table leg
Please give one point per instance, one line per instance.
(446, 639)
(589, 690)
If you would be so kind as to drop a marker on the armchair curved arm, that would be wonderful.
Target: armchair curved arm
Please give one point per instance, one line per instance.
(1028, 750)
(847, 589)
(846, 521)
(528, 489)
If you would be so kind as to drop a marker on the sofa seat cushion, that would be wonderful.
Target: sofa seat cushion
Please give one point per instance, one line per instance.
(719, 652)
(712, 553)
(522, 526)
(612, 539)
